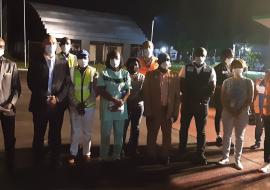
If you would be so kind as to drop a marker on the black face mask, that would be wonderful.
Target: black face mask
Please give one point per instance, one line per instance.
(132, 70)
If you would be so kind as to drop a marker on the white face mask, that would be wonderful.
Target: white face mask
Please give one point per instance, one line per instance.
(199, 60)
(228, 61)
(2, 51)
(238, 72)
(148, 53)
(50, 50)
(66, 48)
(83, 62)
(115, 63)
(166, 65)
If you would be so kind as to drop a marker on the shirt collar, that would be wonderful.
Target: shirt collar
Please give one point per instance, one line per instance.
(47, 58)
(64, 54)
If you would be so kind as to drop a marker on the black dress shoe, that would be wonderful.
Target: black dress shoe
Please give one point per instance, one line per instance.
(255, 146)
(201, 160)
(219, 141)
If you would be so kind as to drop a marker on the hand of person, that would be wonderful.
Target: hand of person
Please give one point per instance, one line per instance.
(8, 106)
(174, 119)
(119, 103)
(80, 108)
(114, 109)
(52, 101)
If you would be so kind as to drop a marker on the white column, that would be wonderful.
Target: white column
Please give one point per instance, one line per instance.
(24, 29)
(126, 52)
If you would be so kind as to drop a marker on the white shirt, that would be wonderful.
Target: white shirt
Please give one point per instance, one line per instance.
(213, 76)
(50, 63)
(260, 89)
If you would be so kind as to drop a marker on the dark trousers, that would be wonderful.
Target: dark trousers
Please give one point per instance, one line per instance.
(266, 120)
(134, 118)
(218, 107)
(200, 112)
(259, 128)
(40, 119)
(8, 127)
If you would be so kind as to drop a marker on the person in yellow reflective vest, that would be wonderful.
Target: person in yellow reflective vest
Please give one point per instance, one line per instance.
(65, 45)
(82, 106)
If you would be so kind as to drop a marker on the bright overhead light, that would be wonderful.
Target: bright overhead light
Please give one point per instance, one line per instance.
(163, 49)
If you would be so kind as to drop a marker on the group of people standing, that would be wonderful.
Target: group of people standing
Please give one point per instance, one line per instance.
(142, 86)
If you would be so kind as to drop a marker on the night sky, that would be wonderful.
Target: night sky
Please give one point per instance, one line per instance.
(184, 23)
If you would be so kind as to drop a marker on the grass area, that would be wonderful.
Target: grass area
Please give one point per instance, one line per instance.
(20, 65)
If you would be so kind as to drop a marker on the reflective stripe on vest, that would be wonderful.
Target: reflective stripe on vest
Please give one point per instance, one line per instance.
(71, 61)
(82, 88)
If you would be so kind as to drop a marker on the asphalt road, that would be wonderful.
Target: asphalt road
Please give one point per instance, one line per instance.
(128, 174)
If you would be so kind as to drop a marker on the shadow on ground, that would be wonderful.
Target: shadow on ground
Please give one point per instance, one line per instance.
(125, 174)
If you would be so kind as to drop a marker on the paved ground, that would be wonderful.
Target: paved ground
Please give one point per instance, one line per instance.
(128, 174)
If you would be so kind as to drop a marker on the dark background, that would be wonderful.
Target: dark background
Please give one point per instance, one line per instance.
(181, 23)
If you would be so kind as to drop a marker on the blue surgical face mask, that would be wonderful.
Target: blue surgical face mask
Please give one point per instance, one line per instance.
(83, 62)
(50, 50)
(166, 65)
(148, 53)
(66, 48)
(199, 60)
(228, 61)
(2, 51)
(115, 63)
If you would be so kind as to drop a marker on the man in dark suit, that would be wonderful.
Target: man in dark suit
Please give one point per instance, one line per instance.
(48, 79)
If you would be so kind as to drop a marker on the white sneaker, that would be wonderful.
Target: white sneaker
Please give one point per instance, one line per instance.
(223, 161)
(238, 165)
(265, 169)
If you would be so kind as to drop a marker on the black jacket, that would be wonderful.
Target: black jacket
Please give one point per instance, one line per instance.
(222, 73)
(196, 88)
(37, 80)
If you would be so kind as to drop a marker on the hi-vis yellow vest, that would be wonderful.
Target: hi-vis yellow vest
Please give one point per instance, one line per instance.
(71, 59)
(83, 89)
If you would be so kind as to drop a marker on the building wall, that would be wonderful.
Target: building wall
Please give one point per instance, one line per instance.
(126, 51)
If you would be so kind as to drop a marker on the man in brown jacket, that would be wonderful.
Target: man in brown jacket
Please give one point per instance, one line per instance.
(10, 90)
(161, 94)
